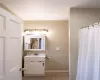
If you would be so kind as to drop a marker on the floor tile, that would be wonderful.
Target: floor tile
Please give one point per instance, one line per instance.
(61, 78)
(50, 76)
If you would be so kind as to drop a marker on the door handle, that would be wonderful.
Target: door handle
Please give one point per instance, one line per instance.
(47, 57)
(22, 69)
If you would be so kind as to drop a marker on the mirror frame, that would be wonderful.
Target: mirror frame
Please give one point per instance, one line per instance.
(27, 37)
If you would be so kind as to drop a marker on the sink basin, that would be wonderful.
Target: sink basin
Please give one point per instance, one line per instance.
(33, 57)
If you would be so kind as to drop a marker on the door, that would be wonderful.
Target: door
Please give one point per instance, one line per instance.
(10, 47)
(2, 45)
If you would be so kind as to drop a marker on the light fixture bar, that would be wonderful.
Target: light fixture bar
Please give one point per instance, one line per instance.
(35, 30)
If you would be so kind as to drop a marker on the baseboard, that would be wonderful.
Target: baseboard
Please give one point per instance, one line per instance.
(34, 74)
(58, 71)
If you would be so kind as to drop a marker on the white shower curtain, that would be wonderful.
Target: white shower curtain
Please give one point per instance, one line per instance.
(89, 53)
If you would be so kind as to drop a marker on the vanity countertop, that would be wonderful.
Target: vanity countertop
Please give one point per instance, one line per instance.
(36, 55)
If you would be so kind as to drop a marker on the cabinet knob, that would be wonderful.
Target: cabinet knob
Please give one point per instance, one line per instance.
(43, 64)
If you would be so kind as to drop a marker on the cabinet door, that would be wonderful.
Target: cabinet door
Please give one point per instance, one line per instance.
(32, 42)
(34, 68)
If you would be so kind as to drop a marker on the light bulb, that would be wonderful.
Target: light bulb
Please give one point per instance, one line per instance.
(36, 32)
(26, 32)
(43, 32)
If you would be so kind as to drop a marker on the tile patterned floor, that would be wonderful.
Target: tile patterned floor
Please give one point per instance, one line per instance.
(51, 76)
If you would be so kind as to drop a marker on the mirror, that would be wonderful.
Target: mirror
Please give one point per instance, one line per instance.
(34, 42)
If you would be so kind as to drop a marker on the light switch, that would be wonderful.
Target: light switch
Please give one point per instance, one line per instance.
(57, 48)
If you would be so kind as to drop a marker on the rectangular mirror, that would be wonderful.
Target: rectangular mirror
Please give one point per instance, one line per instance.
(34, 42)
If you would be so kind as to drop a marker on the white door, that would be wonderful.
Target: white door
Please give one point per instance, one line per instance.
(10, 46)
(2, 46)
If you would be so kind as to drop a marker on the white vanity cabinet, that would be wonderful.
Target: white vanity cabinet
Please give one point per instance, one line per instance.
(34, 65)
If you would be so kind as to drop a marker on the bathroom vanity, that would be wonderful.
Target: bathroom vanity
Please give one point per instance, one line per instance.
(34, 61)
(34, 65)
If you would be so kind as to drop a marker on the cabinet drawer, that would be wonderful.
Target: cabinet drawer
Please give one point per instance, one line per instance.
(34, 68)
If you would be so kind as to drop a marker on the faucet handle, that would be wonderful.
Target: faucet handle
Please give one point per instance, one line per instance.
(47, 57)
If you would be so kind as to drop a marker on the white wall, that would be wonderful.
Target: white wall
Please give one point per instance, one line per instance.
(79, 17)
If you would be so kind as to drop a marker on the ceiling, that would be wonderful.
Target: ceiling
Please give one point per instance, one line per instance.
(47, 9)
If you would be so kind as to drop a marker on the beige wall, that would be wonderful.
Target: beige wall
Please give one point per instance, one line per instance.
(78, 19)
(57, 36)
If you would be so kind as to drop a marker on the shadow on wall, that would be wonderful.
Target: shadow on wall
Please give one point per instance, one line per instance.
(4, 7)
(58, 59)
(88, 4)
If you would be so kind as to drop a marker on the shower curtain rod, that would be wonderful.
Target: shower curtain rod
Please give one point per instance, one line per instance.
(97, 23)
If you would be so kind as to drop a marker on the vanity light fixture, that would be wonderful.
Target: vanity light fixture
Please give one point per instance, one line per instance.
(35, 31)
